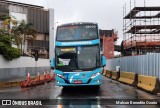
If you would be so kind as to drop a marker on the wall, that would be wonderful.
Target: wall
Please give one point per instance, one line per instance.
(20, 67)
(143, 64)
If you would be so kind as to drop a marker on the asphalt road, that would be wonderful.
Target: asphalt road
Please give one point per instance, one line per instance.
(86, 97)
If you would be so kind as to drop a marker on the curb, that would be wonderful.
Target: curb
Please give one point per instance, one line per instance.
(13, 83)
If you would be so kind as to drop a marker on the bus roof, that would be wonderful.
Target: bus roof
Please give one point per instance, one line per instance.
(77, 23)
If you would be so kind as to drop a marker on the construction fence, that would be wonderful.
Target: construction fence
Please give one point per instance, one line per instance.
(148, 64)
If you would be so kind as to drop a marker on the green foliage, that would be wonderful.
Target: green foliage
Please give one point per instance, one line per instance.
(11, 53)
(5, 39)
(1, 48)
(23, 32)
(6, 50)
(19, 33)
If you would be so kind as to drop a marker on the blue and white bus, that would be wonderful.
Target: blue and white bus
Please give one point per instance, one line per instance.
(78, 61)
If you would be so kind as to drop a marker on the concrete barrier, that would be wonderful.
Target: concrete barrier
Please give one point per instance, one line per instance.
(115, 75)
(128, 78)
(148, 83)
(108, 73)
(103, 72)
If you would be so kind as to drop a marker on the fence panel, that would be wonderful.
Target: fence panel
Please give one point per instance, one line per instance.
(143, 64)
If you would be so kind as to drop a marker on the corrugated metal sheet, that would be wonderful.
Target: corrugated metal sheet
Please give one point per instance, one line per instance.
(39, 18)
(18, 9)
(143, 64)
(4, 9)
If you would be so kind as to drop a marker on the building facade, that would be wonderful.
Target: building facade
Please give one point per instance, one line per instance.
(108, 39)
(36, 15)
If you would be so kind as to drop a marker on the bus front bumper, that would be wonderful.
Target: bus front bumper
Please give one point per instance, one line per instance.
(84, 82)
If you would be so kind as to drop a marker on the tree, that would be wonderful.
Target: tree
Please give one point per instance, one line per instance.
(6, 49)
(23, 32)
(20, 33)
(17, 37)
(7, 21)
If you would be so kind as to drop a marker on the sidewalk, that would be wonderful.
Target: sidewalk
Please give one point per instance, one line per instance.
(15, 82)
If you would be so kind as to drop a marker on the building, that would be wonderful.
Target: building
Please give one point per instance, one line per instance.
(108, 38)
(42, 21)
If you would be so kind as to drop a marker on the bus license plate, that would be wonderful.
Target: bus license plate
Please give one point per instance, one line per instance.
(78, 82)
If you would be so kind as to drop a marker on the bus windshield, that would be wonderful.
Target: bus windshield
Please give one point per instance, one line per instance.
(77, 58)
(74, 32)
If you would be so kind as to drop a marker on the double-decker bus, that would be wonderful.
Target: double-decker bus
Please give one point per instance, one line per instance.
(78, 60)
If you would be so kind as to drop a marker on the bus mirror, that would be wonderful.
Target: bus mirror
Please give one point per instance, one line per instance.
(103, 63)
(52, 63)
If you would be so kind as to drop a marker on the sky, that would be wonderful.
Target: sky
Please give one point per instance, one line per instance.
(107, 13)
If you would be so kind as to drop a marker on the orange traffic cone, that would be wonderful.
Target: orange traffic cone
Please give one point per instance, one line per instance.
(26, 83)
(48, 75)
(38, 77)
(44, 75)
(28, 77)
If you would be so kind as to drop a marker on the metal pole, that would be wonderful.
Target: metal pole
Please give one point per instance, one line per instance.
(131, 25)
(145, 26)
(36, 68)
(134, 3)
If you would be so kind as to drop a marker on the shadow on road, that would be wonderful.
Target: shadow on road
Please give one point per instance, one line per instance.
(80, 91)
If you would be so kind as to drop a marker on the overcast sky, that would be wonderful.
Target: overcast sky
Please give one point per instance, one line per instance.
(107, 13)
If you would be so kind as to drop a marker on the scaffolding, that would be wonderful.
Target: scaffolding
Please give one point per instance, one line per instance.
(141, 30)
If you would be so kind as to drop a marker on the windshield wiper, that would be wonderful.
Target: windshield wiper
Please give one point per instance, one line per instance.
(97, 61)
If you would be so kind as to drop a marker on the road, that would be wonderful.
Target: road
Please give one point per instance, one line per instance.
(109, 90)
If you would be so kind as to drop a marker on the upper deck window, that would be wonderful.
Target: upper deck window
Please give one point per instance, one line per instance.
(77, 32)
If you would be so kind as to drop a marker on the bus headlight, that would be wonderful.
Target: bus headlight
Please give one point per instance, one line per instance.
(94, 75)
(61, 76)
